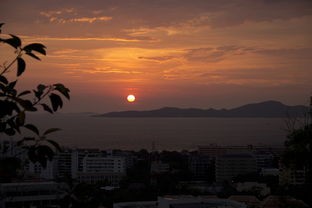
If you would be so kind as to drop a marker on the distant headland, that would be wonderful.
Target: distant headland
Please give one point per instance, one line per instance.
(267, 109)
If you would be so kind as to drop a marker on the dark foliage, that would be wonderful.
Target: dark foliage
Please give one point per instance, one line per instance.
(15, 105)
(298, 153)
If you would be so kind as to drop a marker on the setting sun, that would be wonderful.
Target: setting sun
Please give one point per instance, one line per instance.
(131, 98)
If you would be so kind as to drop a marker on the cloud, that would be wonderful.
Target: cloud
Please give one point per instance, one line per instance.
(71, 15)
(206, 55)
(114, 39)
(90, 19)
(108, 70)
(157, 58)
(296, 53)
(257, 76)
(220, 53)
(231, 13)
(216, 54)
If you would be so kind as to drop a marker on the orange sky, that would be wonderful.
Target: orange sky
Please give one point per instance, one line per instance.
(181, 53)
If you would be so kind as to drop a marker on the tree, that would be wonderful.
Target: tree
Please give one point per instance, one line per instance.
(14, 105)
(298, 153)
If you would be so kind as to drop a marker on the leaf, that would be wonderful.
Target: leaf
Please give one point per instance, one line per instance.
(23, 93)
(63, 90)
(38, 47)
(20, 119)
(1, 24)
(44, 152)
(11, 85)
(47, 108)
(41, 87)
(32, 128)
(7, 108)
(33, 56)
(20, 142)
(55, 144)
(21, 65)
(9, 132)
(11, 123)
(2, 88)
(26, 104)
(15, 41)
(49, 131)
(56, 101)
(3, 79)
(29, 138)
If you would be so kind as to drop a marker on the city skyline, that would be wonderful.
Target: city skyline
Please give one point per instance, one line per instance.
(167, 53)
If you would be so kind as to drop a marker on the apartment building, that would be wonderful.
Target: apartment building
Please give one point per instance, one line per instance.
(229, 166)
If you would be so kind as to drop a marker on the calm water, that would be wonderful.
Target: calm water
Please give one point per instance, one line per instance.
(82, 130)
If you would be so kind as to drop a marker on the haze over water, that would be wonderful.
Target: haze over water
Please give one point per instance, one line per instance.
(83, 130)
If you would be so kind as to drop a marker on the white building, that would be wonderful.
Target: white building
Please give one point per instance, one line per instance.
(31, 194)
(70, 162)
(97, 168)
(103, 164)
(229, 166)
(36, 170)
(264, 159)
(63, 164)
(111, 179)
(183, 201)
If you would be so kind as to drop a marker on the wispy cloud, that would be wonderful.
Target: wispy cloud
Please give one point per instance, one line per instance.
(157, 58)
(71, 15)
(116, 39)
(207, 54)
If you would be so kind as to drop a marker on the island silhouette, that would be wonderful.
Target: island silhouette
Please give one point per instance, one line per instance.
(267, 109)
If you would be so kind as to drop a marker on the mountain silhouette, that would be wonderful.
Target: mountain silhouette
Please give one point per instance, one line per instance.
(264, 109)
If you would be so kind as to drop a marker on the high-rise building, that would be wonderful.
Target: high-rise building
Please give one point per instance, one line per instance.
(63, 164)
(97, 163)
(102, 169)
(264, 159)
(202, 167)
(229, 166)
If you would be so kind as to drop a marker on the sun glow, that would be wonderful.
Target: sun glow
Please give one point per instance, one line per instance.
(131, 98)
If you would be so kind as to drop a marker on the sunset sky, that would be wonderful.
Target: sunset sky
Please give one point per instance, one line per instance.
(182, 53)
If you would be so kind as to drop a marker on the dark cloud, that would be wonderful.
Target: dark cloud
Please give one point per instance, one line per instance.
(296, 53)
(223, 52)
(157, 58)
(162, 12)
(215, 54)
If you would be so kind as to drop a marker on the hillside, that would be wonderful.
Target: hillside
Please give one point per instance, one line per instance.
(263, 109)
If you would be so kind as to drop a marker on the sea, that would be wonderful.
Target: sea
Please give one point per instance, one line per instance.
(83, 130)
